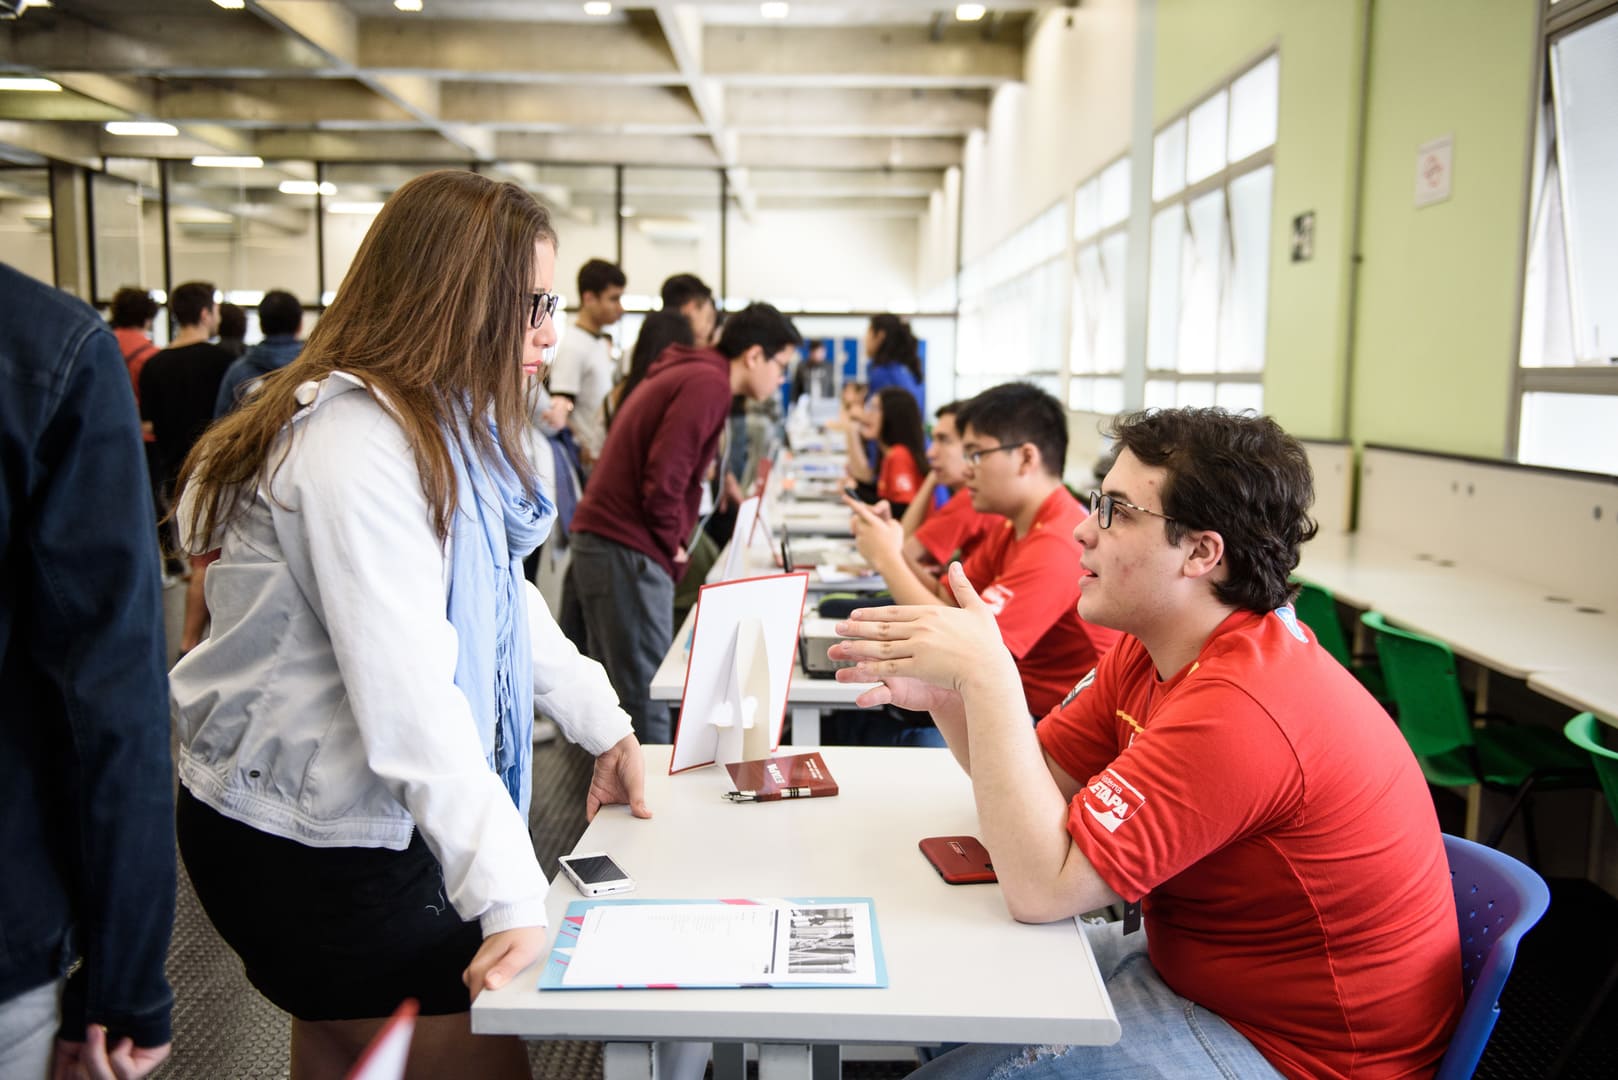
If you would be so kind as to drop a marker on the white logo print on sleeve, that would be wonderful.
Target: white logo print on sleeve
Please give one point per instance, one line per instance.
(996, 597)
(1112, 800)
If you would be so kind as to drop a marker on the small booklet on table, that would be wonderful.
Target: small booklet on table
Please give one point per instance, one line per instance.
(703, 944)
(790, 776)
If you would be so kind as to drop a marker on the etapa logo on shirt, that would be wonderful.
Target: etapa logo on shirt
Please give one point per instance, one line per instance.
(996, 597)
(1112, 800)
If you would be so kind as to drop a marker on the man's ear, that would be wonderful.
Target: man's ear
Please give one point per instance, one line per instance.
(1206, 554)
(753, 357)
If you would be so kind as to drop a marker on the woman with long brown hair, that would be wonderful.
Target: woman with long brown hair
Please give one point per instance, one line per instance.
(356, 730)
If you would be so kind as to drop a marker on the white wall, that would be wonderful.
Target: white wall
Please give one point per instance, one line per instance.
(824, 260)
(1070, 116)
(936, 253)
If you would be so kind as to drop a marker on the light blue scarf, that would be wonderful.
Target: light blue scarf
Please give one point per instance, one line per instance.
(496, 525)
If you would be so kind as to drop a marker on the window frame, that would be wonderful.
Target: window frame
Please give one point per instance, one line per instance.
(1190, 192)
(1544, 141)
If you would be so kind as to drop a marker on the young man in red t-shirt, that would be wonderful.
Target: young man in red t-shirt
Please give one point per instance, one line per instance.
(1217, 767)
(1014, 441)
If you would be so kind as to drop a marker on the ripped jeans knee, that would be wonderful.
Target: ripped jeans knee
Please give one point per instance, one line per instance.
(1030, 1056)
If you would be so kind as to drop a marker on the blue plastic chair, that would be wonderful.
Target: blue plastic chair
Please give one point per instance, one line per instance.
(1497, 901)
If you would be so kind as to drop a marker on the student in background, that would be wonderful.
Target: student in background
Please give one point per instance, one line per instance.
(88, 845)
(892, 420)
(633, 526)
(584, 369)
(937, 535)
(280, 317)
(1218, 768)
(178, 388)
(815, 375)
(658, 331)
(232, 330)
(356, 734)
(895, 358)
(691, 297)
(132, 313)
(1014, 439)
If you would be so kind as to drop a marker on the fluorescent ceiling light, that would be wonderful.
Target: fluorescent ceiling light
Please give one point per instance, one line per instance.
(140, 127)
(226, 161)
(969, 12)
(407, 5)
(773, 10)
(26, 83)
(307, 187)
(231, 5)
(354, 207)
(598, 8)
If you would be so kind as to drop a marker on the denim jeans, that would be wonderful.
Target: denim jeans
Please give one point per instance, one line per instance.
(28, 1032)
(1164, 1035)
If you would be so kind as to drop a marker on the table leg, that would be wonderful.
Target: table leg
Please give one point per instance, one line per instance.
(828, 1061)
(806, 725)
(654, 1061)
(729, 1061)
(785, 1061)
(627, 1061)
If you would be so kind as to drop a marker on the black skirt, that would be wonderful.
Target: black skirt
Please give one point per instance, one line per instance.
(329, 933)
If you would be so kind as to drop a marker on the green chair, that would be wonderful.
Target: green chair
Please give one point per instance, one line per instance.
(1457, 749)
(1585, 732)
(1316, 608)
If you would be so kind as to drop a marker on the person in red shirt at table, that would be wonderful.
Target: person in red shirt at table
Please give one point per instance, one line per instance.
(893, 420)
(1218, 769)
(1014, 441)
(935, 534)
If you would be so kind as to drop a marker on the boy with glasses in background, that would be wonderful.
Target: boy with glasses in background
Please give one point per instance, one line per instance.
(1013, 443)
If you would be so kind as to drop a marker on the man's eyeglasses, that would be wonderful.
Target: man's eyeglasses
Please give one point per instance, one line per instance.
(1102, 506)
(541, 305)
(975, 458)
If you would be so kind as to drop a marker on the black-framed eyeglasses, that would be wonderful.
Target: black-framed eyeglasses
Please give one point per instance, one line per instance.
(540, 306)
(975, 458)
(1102, 506)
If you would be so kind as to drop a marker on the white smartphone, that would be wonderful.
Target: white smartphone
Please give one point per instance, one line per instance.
(595, 874)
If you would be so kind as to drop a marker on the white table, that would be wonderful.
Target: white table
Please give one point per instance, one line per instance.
(807, 696)
(1585, 689)
(960, 969)
(812, 518)
(1506, 625)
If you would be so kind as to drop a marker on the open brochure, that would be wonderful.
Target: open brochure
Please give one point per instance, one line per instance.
(691, 944)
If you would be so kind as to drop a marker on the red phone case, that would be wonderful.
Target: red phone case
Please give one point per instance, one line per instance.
(960, 860)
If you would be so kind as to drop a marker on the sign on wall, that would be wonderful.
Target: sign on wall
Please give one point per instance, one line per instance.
(1435, 168)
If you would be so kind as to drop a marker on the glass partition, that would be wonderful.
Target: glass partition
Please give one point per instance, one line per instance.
(127, 238)
(671, 226)
(239, 229)
(25, 222)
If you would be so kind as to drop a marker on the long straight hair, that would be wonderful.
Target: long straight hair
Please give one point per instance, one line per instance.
(901, 424)
(432, 316)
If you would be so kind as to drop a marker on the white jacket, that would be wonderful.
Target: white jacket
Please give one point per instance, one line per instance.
(323, 707)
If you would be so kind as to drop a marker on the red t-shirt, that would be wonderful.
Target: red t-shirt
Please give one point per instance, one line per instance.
(952, 530)
(900, 477)
(1276, 823)
(1032, 585)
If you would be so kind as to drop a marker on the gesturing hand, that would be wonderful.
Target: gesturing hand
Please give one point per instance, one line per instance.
(619, 776)
(878, 537)
(953, 649)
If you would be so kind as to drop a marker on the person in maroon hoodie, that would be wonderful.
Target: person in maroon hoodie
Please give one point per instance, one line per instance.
(638, 513)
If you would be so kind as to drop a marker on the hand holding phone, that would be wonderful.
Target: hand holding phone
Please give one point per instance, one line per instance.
(594, 873)
(959, 860)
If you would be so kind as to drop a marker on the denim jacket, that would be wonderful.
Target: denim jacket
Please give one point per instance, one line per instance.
(86, 796)
(323, 706)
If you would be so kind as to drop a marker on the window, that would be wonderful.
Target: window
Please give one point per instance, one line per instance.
(1096, 348)
(1010, 303)
(1568, 353)
(1213, 178)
